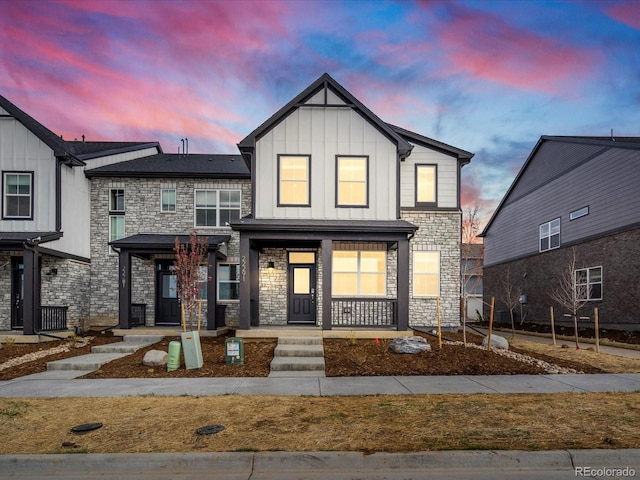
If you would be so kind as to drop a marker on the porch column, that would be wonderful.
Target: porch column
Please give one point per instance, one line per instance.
(254, 286)
(124, 289)
(245, 284)
(403, 284)
(212, 298)
(31, 300)
(327, 251)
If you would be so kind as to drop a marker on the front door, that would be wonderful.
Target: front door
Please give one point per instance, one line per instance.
(17, 293)
(302, 294)
(167, 303)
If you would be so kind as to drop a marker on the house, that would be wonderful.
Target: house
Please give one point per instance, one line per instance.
(44, 230)
(574, 196)
(354, 222)
(326, 217)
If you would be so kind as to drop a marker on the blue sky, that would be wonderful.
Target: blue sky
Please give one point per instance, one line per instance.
(487, 76)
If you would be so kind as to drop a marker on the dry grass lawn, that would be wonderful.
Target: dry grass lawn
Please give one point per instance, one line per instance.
(368, 424)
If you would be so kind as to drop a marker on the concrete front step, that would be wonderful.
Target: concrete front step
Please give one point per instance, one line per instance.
(130, 344)
(299, 350)
(297, 364)
(89, 363)
(299, 340)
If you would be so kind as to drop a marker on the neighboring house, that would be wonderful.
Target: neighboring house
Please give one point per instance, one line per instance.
(472, 258)
(573, 195)
(355, 222)
(44, 230)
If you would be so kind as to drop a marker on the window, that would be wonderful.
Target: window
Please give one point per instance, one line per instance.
(588, 283)
(168, 200)
(426, 274)
(579, 213)
(216, 208)
(550, 235)
(352, 175)
(203, 279)
(228, 282)
(116, 215)
(18, 195)
(359, 273)
(294, 180)
(426, 184)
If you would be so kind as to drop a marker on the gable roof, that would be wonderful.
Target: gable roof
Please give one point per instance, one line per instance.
(583, 149)
(89, 150)
(247, 145)
(462, 155)
(176, 165)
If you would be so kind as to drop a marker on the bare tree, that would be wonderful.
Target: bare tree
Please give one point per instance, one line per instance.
(568, 293)
(189, 257)
(510, 296)
(470, 264)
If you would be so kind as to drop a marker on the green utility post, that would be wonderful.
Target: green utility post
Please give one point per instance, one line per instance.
(234, 351)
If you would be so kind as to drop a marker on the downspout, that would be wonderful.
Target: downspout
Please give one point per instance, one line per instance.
(58, 195)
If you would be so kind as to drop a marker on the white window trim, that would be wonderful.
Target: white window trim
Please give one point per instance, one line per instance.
(226, 300)
(217, 207)
(5, 195)
(549, 236)
(113, 251)
(414, 273)
(175, 204)
(589, 283)
(124, 202)
(359, 272)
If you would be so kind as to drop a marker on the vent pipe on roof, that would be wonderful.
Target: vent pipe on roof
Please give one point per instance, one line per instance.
(182, 140)
(612, 139)
(82, 138)
(187, 142)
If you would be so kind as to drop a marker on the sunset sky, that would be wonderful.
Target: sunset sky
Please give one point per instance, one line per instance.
(486, 76)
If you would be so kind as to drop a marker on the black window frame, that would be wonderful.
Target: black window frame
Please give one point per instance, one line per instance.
(4, 194)
(337, 181)
(435, 185)
(284, 155)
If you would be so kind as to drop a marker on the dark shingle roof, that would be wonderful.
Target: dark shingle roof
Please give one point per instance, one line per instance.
(89, 150)
(462, 155)
(165, 241)
(176, 165)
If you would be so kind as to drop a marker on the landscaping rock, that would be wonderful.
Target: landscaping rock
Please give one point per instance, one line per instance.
(155, 358)
(409, 345)
(496, 342)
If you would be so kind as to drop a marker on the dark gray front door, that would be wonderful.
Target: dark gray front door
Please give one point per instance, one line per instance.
(17, 293)
(302, 294)
(167, 303)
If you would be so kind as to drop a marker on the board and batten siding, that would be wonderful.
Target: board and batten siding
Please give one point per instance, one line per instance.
(22, 151)
(609, 184)
(447, 177)
(323, 133)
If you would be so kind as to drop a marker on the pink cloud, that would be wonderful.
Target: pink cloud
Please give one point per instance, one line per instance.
(627, 13)
(485, 46)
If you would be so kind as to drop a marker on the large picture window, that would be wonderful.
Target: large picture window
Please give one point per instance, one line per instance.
(294, 180)
(228, 281)
(359, 273)
(352, 176)
(18, 195)
(588, 283)
(426, 185)
(426, 274)
(216, 208)
(550, 235)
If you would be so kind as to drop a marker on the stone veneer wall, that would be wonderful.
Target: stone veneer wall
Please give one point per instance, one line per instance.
(441, 232)
(69, 287)
(142, 215)
(5, 289)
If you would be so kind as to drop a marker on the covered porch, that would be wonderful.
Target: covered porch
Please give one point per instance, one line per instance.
(157, 252)
(296, 273)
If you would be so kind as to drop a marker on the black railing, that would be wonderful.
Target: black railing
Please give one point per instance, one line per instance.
(138, 314)
(52, 318)
(364, 312)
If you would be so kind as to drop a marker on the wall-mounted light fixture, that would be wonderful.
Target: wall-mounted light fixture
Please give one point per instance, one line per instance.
(271, 265)
(52, 271)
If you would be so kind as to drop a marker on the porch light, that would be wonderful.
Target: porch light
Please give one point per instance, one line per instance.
(271, 266)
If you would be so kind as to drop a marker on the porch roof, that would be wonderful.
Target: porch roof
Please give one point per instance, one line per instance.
(18, 239)
(150, 243)
(305, 226)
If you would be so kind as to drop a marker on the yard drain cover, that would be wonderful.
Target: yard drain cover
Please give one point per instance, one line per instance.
(209, 429)
(86, 427)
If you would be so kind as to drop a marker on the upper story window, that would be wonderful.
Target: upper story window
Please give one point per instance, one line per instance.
(426, 274)
(18, 195)
(352, 178)
(588, 283)
(168, 200)
(359, 273)
(294, 180)
(579, 213)
(116, 215)
(216, 208)
(426, 190)
(550, 235)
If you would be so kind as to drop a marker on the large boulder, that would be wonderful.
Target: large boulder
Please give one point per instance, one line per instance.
(155, 358)
(409, 345)
(497, 341)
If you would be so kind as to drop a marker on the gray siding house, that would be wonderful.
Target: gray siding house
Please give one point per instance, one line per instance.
(573, 194)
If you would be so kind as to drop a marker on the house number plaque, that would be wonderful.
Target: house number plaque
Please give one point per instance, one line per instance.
(243, 267)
